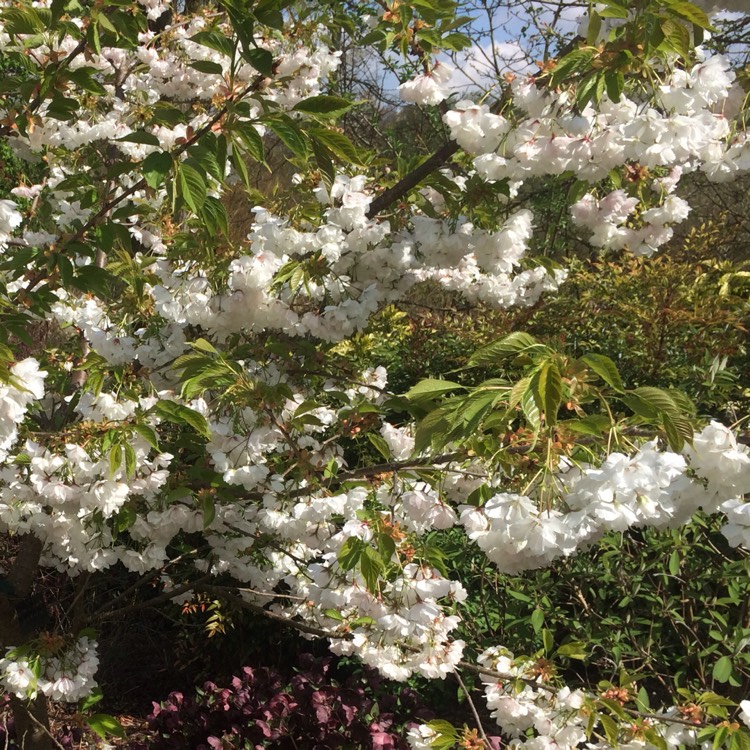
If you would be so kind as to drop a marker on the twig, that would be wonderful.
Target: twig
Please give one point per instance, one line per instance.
(41, 726)
(165, 597)
(473, 708)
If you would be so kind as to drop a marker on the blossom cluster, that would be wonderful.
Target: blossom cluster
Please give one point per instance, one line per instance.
(344, 556)
(67, 675)
(25, 386)
(657, 488)
(685, 125)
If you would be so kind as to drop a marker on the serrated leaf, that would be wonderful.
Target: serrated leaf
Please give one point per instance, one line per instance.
(350, 552)
(203, 346)
(208, 509)
(689, 12)
(431, 431)
(171, 411)
(22, 20)
(605, 368)
(510, 346)
(574, 62)
(261, 59)
(290, 135)
(431, 388)
(674, 438)
(531, 410)
(546, 386)
(115, 459)
(722, 669)
(338, 144)
(252, 140)
(639, 406)
(91, 699)
(323, 104)
(139, 136)
(147, 434)
(675, 561)
(215, 41)
(380, 445)
(537, 619)
(610, 729)
(386, 546)
(192, 186)
(372, 567)
(207, 66)
(104, 724)
(130, 460)
(594, 424)
(574, 650)
(547, 641)
(156, 167)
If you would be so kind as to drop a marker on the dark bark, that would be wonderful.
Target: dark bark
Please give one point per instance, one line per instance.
(30, 717)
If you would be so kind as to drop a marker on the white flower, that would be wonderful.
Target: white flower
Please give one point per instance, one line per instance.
(428, 88)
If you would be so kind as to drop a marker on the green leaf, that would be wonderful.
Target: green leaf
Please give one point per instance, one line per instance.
(594, 27)
(252, 140)
(372, 567)
(130, 460)
(676, 38)
(338, 144)
(510, 346)
(546, 385)
(22, 20)
(214, 216)
(547, 641)
(289, 134)
(91, 699)
(192, 186)
(537, 620)
(350, 552)
(207, 66)
(573, 650)
(431, 431)
(675, 562)
(639, 406)
(447, 734)
(215, 41)
(104, 724)
(722, 670)
(605, 368)
(530, 409)
(156, 167)
(386, 547)
(674, 438)
(260, 59)
(203, 346)
(594, 425)
(689, 12)
(147, 434)
(574, 62)
(115, 459)
(380, 445)
(323, 104)
(139, 136)
(431, 388)
(208, 509)
(610, 729)
(170, 411)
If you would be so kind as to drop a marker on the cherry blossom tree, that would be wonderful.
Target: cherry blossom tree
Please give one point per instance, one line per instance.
(189, 385)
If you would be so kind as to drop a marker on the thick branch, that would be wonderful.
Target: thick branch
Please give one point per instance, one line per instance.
(411, 180)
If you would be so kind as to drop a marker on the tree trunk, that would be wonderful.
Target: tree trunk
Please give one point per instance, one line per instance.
(30, 717)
